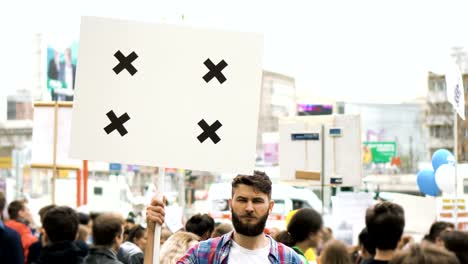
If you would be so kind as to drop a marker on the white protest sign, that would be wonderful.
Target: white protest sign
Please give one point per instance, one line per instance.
(168, 96)
(43, 136)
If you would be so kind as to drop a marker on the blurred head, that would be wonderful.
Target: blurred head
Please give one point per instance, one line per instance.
(436, 229)
(18, 210)
(456, 242)
(60, 224)
(335, 252)
(366, 246)
(251, 203)
(138, 236)
(200, 225)
(429, 254)
(84, 218)
(221, 229)
(108, 230)
(43, 211)
(176, 246)
(385, 223)
(305, 225)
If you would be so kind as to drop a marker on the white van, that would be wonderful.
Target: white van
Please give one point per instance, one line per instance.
(287, 198)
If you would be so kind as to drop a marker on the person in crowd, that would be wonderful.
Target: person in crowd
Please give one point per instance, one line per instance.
(201, 225)
(165, 235)
(366, 248)
(304, 231)
(273, 231)
(221, 229)
(385, 223)
(107, 237)
(11, 250)
(19, 214)
(176, 246)
(131, 251)
(456, 242)
(250, 206)
(36, 247)
(427, 254)
(335, 252)
(436, 229)
(61, 227)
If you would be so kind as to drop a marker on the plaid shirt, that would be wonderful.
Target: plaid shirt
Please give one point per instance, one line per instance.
(216, 251)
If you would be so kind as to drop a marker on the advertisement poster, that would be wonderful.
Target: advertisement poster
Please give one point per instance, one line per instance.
(61, 70)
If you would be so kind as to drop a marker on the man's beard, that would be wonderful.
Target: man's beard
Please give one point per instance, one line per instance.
(249, 229)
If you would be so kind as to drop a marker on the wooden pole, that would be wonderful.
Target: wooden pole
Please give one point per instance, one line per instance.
(54, 163)
(154, 231)
(85, 181)
(78, 188)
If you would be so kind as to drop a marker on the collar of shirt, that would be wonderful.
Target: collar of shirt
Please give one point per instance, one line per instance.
(226, 244)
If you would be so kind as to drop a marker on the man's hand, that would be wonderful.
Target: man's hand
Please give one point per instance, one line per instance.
(155, 211)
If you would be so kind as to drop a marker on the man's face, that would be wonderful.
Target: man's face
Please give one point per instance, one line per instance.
(250, 209)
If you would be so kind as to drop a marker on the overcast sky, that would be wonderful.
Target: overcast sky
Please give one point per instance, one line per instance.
(364, 51)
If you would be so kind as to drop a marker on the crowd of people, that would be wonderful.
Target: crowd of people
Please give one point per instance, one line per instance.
(66, 236)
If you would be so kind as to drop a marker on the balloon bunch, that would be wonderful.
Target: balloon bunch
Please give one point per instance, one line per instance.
(441, 178)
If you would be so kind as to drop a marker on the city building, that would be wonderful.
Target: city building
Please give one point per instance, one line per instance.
(277, 99)
(440, 119)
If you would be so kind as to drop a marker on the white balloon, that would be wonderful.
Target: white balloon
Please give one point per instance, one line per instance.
(445, 178)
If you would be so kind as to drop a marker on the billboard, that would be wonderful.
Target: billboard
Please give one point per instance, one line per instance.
(61, 70)
(379, 152)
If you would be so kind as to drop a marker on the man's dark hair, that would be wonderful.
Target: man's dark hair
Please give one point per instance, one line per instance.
(366, 241)
(83, 218)
(259, 181)
(136, 233)
(385, 223)
(437, 228)
(14, 208)
(456, 242)
(43, 211)
(302, 223)
(61, 224)
(200, 224)
(106, 227)
(2, 204)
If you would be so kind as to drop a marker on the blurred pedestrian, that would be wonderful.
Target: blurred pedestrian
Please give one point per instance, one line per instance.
(304, 231)
(366, 248)
(385, 223)
(36, 248)
(201, 225)
(176, 246)
(335, 252)
(428, 254)
(11, 250)
(107, 237)
(456, 242)
(434, 232)
(61, 228)
(221, 230)
(131, 251)
(19, 214)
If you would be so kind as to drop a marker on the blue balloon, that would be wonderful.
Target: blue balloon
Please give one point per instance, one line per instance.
(426, 182)
(441, 157)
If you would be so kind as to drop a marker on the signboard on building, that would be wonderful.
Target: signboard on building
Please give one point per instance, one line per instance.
(379, 152)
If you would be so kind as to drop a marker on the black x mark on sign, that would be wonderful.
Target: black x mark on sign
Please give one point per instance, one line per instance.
(215, 71)
(117, 123)
(209, 131)
(125, 62)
